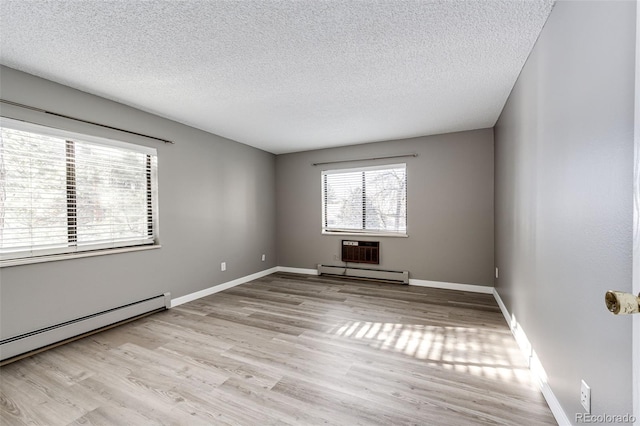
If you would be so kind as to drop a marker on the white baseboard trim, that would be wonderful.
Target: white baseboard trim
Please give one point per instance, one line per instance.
(518, 333)
(420, 283)
(547, 392)
(297, 270)
(220, 287)
(503, 308)
(452, 286)
(537, 370)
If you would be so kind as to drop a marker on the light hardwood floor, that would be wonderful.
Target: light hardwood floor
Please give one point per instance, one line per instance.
(288, 349)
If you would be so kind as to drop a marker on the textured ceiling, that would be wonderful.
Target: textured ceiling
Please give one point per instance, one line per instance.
(287, 75)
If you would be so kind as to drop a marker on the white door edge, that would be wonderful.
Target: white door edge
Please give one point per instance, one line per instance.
(635, 339)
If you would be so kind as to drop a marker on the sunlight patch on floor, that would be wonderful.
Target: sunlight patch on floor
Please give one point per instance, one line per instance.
(462, 349)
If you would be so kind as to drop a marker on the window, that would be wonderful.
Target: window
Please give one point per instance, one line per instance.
(365, 200)
(62, 192)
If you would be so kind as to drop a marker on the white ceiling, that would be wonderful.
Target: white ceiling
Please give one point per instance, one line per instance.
(286, 75)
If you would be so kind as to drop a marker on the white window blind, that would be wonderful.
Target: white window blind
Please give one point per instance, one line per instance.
(367, 199)
(62, 192)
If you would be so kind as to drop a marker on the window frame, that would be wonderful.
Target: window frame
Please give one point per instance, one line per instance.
(72, 249)
(363, 232)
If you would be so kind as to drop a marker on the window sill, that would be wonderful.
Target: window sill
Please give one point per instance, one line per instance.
(365, 234)
(66, 256)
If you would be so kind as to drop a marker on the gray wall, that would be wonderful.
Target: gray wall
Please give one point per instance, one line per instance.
(449, 207)
(564, 170)
(216, 203)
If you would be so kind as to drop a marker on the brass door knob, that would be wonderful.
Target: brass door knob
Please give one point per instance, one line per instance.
(619, 302)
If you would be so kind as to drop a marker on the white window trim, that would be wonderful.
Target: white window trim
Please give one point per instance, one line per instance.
(53, 254)
(77, 255)
(367, 232)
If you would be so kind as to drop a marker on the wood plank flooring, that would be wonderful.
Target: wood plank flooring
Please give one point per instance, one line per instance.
(288, 350)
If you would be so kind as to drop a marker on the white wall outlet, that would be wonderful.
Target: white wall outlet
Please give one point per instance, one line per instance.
(264, 257)
(223, 266)
(335, 257)
(585, 396)
(496, 272)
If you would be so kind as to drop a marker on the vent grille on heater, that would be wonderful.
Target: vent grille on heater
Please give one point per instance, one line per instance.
(361, 251)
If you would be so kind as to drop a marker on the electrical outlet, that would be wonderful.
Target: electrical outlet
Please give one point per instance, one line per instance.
(496, 272)
(223, 266)
(335, 257)
(264, 257)
(585, 396)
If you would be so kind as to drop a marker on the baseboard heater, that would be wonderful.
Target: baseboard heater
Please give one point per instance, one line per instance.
(355, 272)
(25, 344)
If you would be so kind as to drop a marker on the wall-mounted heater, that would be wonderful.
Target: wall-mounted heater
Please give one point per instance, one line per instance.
(361, 251)
(29, 343)
(372, 274)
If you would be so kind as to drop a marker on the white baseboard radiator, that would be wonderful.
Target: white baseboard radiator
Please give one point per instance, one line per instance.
(17, 347)
(355, 272)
